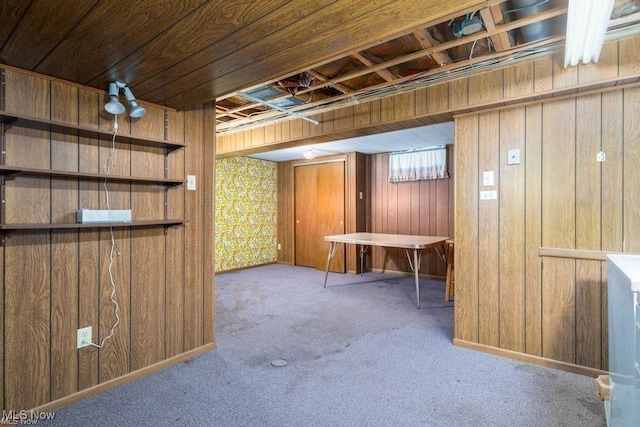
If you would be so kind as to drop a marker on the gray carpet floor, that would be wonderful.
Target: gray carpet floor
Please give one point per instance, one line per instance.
(358, 353)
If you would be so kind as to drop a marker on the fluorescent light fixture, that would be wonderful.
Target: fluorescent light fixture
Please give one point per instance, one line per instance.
(309, 154)
(587, 22)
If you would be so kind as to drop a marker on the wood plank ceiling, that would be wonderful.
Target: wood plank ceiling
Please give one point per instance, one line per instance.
(301, 55)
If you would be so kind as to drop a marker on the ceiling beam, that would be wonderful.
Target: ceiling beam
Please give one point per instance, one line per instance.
(492, 16)
(427, 41)
(382, 72)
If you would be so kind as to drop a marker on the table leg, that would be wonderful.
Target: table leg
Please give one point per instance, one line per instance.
(415, 267)
(333, 248)
(363, 250)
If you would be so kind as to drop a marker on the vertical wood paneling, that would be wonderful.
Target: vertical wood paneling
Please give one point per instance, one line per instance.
(421, 101)
(437, 98)
(458, 93)
(403, 215)
(194, 209)
(466, 228)
(533, 227)
(147, 298)
(442, 221)
(88, 246)
(64, 247)
(285, 212)
(114, 355)
(117, 159)
(518, 80)
(543, 74)
(27, 291)
(391, 219)
(27, 324)
(588, 206)
(405, 105)
(486, 87)
(563, 77)
(174, 292)
(605, 68)
(512, 231)
(488, 233)
(57, 281)
(558, 218)
(629, 56)
(362, 114)
(37, 88)
(377, 195)
(208, 228)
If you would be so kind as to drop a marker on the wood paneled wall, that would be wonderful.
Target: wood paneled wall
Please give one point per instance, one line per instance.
(56, 281)
(422, 207)
(559, 196)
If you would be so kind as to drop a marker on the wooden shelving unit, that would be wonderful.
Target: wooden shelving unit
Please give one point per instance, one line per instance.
(8, 120)
(13, 119)
(9, 172)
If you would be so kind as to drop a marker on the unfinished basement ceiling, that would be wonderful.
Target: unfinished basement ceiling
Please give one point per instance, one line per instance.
(479, 39)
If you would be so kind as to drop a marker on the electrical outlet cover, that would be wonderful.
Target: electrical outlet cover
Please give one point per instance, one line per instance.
(84, 337)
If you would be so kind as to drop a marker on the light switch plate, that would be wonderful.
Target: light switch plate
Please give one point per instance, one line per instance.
(487, 178)
(191, 182)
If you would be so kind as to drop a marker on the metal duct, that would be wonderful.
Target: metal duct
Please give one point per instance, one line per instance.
(539, 30)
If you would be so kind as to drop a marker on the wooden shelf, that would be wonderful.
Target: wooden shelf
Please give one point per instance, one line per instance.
(13, 119)
(10, 172)
(150, 223)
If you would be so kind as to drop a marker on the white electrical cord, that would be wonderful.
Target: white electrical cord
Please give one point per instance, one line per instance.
(114, 248)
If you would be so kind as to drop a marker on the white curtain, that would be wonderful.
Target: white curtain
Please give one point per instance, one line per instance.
(418, 165)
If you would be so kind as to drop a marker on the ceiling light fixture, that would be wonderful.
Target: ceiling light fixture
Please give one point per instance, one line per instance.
(309, 154)
(587, 22)
(114, 106)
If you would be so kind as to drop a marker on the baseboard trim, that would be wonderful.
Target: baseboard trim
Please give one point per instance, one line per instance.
(246, 267)
(140, 373)
(537, 360)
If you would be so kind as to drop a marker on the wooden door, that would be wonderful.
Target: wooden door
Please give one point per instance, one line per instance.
(319, 212)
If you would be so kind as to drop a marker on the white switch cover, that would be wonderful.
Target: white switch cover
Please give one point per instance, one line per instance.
(191, 182)
(487, 178)
(513, 156)
(488, 195)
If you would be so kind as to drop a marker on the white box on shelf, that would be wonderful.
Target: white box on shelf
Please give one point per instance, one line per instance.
(85, 216)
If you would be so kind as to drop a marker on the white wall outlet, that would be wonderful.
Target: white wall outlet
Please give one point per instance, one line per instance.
(487, 178)
(191, 182)
(601, 156)
(513, 156)
(279, 247)
(84, 337)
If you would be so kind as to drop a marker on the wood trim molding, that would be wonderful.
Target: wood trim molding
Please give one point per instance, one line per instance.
(536, 360)
(132, 376)
(577, 253)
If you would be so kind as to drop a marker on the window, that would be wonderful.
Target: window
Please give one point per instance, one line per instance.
(430, 163)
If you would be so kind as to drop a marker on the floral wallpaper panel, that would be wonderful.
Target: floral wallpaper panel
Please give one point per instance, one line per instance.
(245, 213)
